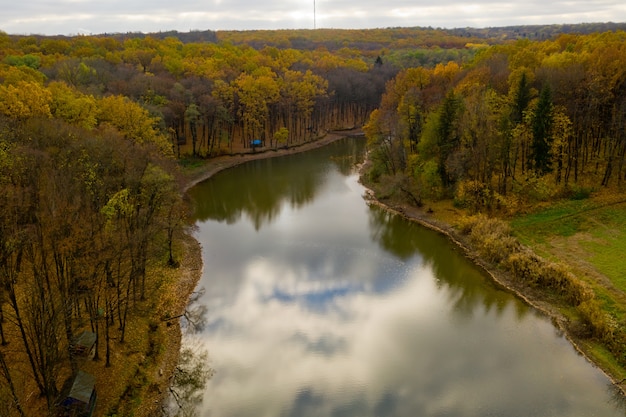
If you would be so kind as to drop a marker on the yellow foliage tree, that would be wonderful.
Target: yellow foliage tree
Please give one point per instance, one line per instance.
(133, 121)
(25, 99)
(73, 106)
(255, 94)
(15, 74)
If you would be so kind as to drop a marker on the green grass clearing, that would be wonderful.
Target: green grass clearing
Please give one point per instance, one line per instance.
(589, 232)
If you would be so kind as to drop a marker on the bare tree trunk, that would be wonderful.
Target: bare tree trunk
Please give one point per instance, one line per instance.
(6, 374)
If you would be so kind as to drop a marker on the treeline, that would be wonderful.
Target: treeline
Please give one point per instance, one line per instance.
(393, 38)
(520, 123)
(215, 97)
(359, 39)
(538, 32)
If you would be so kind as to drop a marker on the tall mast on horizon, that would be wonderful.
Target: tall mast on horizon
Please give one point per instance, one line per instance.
(314, 23)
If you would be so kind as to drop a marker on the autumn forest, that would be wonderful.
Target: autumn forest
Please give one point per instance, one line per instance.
(94, 131)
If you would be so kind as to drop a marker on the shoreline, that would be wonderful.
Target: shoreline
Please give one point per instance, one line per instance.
(526, 294)
(410, 213)
(220, 163)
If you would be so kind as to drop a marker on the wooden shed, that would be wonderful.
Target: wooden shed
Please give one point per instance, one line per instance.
(83, 344)
(81, 400)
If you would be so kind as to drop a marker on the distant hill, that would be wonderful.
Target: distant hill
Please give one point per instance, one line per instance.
(370, 39)
(537, 32)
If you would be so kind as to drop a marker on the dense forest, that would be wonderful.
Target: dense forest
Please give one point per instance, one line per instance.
(515, 125)
(215, 96)
(91, 128)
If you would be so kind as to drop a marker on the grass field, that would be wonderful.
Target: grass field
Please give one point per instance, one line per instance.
(589, 235)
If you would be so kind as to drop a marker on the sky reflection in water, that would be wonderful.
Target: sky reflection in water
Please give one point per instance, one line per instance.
(321, 312)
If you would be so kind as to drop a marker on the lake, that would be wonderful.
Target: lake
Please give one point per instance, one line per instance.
(318, 304)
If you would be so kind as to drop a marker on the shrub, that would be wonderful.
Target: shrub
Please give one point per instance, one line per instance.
(558, 277)
(601, 324)
(497, 248)
(475, 196)
(465, 224)
(575, 192)
(525, 266)
(533, 189)
(491, 238)
(429, 179)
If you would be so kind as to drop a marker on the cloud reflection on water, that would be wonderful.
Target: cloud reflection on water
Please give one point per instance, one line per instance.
(332, 308)
(397, 353)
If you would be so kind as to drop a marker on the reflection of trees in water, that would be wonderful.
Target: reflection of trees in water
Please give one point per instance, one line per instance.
(256, 189)
(618, 399)
(467, 286)
(352, 156)
(194, 319)
(189, 380)
(193, 370)
(392, 233)
(259, 188)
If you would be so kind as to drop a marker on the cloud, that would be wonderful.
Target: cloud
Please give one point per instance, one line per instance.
(67, 16)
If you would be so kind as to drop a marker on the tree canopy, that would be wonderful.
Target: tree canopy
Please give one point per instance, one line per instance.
(542, 113)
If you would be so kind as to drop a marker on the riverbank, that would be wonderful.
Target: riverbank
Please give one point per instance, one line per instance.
(533, 296)
(217, 164)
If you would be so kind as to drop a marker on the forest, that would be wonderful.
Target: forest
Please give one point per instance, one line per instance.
(94, 131)
(515, 125)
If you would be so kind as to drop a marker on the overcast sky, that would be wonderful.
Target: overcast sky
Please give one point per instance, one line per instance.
(69, 17)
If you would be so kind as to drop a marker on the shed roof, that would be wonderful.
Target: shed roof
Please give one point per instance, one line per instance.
(82, 387)
(86, 339)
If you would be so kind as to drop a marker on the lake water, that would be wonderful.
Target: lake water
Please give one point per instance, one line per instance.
(320, 305)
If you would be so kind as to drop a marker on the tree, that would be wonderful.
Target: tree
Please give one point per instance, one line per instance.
(541, 145)
(256, 93)
(561, 137)
(281, 136)
(388, 155)
(447, 134)
(72, 106)
(133, 121)
(521, 99)
(192, 116)
(24, 100)
(5, 373)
